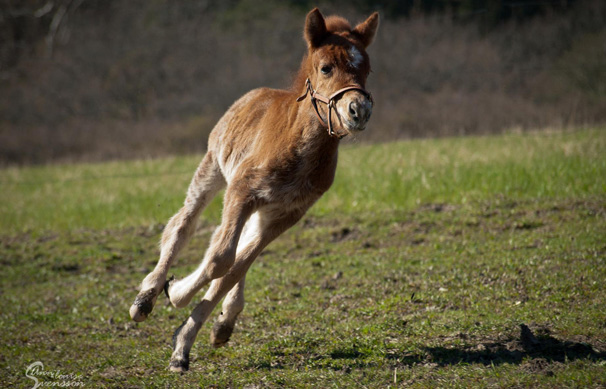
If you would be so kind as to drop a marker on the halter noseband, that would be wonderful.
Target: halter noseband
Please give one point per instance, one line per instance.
(330, 102)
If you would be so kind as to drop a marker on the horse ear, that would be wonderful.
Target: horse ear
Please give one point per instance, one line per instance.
(315, 28)
(366, 31)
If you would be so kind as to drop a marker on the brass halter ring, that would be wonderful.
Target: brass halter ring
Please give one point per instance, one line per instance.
(330, 102)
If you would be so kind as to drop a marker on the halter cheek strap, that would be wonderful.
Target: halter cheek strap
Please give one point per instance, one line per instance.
(330, 102)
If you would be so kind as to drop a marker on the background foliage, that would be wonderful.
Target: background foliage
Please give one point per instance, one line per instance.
(92, 79)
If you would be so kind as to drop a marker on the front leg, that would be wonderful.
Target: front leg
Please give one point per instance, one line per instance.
(179, 228)
(207, 181)
(262, 228)
(221, 253)
(185, 335)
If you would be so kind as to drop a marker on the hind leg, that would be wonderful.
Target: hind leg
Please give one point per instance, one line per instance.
(207, 181)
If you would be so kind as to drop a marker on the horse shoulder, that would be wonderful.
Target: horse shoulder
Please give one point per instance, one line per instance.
(252, 127)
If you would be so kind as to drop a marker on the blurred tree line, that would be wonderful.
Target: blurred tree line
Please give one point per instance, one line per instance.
(100, 79)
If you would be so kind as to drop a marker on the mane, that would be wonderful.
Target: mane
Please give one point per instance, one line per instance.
(337, 24)
(300, 76)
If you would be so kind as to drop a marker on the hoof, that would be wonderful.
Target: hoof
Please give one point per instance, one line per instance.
(179, 365)
(143, 305)
(220, 334)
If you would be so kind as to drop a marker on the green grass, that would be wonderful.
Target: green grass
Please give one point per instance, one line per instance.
(370, 178)
(416, 269)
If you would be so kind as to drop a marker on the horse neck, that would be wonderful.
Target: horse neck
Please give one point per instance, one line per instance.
(316, 150)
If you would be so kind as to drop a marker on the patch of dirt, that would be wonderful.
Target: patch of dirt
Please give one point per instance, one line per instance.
(527, 225)
(438, 207)
(540, 366)
(344, 234)
(67, 267)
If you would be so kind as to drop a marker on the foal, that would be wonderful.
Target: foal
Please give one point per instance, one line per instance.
(275, 151)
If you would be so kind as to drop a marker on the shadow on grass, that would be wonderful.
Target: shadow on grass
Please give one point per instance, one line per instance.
(536, 353)
(515, 351)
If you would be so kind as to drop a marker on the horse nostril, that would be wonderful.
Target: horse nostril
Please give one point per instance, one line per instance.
(353, 112)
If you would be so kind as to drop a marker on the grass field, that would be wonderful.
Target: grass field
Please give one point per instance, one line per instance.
(460, 262)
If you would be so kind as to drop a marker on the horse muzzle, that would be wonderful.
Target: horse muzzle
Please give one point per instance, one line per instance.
(354, 109)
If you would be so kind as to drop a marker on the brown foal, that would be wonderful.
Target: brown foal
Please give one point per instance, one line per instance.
(275, 153)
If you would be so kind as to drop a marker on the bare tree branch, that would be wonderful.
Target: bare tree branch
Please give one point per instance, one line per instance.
(46, 8)
(58, 18)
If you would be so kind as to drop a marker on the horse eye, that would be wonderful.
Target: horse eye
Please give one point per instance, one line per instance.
(326, 69)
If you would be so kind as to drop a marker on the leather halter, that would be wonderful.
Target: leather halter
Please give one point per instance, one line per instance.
(330, 102)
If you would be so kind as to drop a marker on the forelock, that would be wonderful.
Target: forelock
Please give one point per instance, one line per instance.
(336, 24)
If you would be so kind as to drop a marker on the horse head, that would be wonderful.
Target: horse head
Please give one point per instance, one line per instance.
(336, 67)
